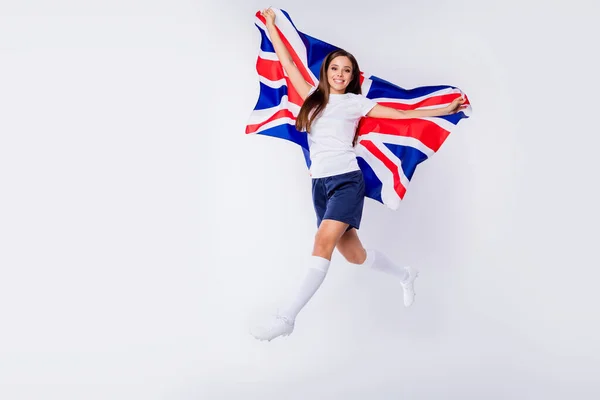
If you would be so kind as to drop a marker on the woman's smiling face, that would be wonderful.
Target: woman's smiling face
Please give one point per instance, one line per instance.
(339, 74)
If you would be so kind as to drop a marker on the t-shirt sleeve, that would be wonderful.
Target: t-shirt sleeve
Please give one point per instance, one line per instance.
(312, 89)
(365, 104)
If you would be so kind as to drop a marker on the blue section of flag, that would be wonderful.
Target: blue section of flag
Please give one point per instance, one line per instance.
(270, 97)
(373, 189)
(410, 156)
(287, 132)
(265, 43)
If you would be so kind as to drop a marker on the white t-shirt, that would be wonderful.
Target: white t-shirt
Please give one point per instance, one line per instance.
(332, 132)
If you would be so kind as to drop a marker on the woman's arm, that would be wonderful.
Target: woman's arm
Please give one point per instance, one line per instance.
(380, 111)
(301, 86)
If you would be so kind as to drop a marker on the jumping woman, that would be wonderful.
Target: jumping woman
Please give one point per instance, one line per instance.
(330, 115)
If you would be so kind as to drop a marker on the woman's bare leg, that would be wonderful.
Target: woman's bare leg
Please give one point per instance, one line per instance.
(327, 237)
(350, 246)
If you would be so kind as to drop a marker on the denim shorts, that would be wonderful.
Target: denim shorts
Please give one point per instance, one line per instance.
(339, 197)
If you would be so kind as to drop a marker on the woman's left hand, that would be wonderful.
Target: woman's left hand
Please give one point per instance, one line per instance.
(456, 105)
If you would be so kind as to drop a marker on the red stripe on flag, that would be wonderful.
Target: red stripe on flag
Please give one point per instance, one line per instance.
(293, 96)
(430, 101)
(277, 115)
(398, 186)
(259, 16)
(427, 132)
(270, 69)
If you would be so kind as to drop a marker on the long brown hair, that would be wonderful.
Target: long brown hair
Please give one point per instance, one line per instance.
(320, 97)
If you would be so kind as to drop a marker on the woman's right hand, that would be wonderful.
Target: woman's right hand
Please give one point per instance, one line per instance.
(269, 15)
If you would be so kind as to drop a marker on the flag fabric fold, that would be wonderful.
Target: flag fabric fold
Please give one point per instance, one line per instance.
(388, 151)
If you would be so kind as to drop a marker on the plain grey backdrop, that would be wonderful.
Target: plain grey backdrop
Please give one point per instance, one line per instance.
(141, 231)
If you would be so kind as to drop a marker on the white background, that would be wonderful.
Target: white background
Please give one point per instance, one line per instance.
(141, 231)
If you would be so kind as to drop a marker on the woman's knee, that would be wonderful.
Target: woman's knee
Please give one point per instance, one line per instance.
(352, 250)
(356, 256)
(323, 244)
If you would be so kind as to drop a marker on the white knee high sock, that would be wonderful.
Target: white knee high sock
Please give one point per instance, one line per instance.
(378, 261)
(317, 270)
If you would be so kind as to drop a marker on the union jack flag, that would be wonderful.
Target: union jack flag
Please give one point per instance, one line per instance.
(388, 151)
